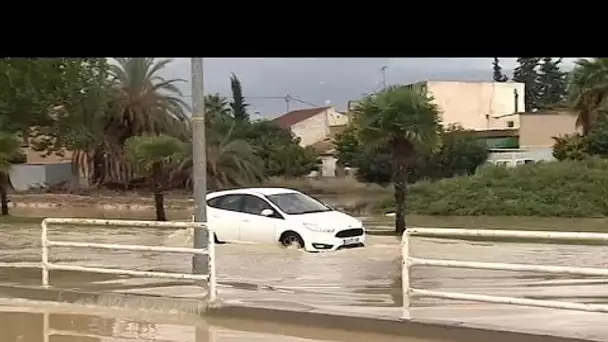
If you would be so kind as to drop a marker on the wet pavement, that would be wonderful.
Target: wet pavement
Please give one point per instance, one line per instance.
(364, 281)
(27, 321)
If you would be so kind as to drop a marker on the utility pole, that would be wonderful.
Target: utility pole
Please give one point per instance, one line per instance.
(287, 99)
(383, 70)
(200, 263)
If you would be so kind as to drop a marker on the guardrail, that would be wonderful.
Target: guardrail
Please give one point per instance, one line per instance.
(47, 266)
(409, 262)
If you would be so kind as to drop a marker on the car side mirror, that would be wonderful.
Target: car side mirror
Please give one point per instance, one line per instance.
(267, 212)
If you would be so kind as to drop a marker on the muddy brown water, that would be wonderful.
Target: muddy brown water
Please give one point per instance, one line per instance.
(365, 281)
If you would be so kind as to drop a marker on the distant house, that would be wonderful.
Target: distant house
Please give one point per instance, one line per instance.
(312, 124)
(40, 170)
(316, 127)
(533, 140)
(477, 105)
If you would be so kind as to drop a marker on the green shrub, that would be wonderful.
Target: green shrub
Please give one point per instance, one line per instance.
(561, 189)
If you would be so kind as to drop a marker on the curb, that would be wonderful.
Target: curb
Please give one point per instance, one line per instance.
(414, 328)
(109, 299)
(268, 319)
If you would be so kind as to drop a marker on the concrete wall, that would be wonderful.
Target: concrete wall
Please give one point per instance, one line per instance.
(316, 128)
(26, 176)
(335, 118)
(478, 105)
(312, 129)
(521, 156)
(328, 166)
(538, 130)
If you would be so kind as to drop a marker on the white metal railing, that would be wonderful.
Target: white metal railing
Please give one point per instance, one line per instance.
(47, 266)
(409, 262)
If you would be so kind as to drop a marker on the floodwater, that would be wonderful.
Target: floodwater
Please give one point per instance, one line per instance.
(364, 281)
(28, 321)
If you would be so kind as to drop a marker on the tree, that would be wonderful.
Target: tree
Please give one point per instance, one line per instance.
(526, 73)
(588, 91)
(154, 156)
(498, 76)
(279, 150)
(230, 162)
(596, 142)
(78, 122)
(570, 147)
(238, 105)
(9, 146)
(108, 104)
(460, 153)
(405, 120)
(29, 88)
(553, 83)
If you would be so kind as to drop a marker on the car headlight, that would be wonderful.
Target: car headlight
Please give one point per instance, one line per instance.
(316, 228)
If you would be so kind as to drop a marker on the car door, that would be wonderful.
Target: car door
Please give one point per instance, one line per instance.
(223, 215)
(255, 227)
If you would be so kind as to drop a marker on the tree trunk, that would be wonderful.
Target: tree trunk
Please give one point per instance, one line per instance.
(401, 152)
(159, 196)
(4, 200)
(159, 202)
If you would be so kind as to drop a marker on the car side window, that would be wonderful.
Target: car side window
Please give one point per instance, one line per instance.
(254, 205)
(227, 202)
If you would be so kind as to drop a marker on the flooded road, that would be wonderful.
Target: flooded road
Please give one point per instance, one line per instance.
(27, 321)
(364, 281)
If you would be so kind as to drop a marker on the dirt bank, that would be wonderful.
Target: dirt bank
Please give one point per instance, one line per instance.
(356, 204)
(117, 202)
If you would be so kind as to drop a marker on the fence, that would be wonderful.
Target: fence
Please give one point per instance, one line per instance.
(409, 262)
(47, 266)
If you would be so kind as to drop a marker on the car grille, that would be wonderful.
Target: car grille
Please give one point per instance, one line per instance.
(350, 233)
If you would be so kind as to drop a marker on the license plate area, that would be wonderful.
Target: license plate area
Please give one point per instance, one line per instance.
(351, 241)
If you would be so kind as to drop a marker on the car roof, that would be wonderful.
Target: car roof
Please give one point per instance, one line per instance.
(252, 191)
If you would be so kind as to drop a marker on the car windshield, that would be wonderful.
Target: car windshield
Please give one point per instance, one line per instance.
(295, 203)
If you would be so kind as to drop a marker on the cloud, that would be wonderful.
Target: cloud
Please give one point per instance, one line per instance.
(334, 80)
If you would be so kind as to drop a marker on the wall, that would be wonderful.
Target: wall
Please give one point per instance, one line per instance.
(468, 103)
(537, 130)
(520, 156)
(335, 118)
(26, 176)
(312, 129)
(328, 166)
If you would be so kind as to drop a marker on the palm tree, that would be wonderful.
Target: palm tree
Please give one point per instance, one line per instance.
(9, 146)
(230, 162)
(146, 101)
(141, 101)
(154, 156)
(588, 91)
(405, 120)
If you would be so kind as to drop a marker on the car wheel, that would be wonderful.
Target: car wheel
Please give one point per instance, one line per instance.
(292, 239)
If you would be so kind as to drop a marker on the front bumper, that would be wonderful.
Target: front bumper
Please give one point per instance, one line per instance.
(328, 242)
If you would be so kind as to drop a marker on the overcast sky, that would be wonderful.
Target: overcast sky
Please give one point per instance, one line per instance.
(333, 81)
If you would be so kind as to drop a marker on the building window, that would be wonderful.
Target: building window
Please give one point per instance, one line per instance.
(510, 124)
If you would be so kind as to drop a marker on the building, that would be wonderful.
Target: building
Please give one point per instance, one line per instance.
(533, 141)
(316, 127)
(477, 105)
(40, 170)
(312, 124)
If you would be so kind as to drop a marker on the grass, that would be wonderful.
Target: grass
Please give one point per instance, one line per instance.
(591, 225)
(556, 189)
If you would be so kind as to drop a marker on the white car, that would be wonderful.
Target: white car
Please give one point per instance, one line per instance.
(285, 216)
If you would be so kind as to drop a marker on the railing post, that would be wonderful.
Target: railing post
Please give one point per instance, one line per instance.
(45, 253)
(212, 277)
(405, 273)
